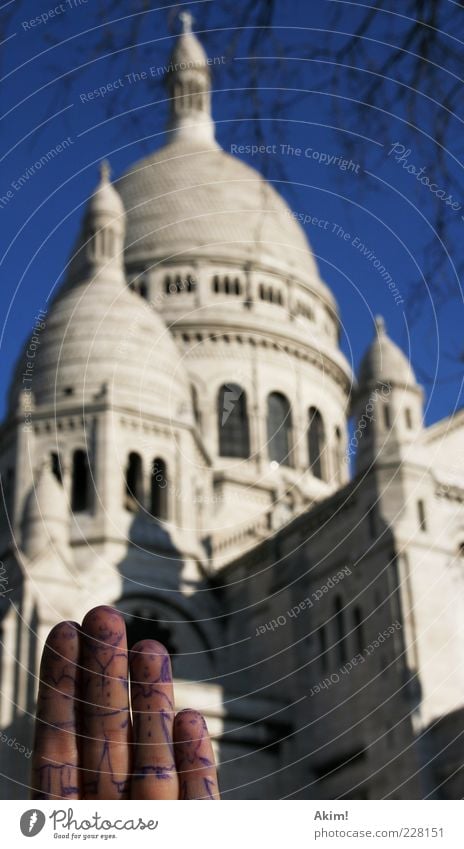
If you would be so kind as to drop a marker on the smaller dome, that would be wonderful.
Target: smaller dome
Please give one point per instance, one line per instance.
(385, 362)
(100, 336)
(105, 200)
(188, 52)
(97, 334)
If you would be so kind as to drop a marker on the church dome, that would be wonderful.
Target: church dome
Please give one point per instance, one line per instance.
(99, 337)
(385, 362)
(191, 199)
(194, 198)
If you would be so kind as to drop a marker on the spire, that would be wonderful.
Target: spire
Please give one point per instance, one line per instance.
(380, 325)
(106, 200)
(105, 171)
(189, 83)
(186, 19)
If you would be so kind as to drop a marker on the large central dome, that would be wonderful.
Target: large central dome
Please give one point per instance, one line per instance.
(193, 197)
(190, 200)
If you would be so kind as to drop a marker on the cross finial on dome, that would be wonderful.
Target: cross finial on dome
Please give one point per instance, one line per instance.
(380, 324)
(105, 171)
(186, 19)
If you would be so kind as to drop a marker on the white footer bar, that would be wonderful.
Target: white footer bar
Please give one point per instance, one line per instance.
(234, 824)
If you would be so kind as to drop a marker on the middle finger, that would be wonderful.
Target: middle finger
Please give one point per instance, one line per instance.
(154, 773)
(104, 708)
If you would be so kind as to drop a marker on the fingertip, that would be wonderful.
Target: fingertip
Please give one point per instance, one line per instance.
(190, 714)
(102, 611)
(67, 628)
(63, 639)
(152, 647)
(189, 719)
(150, 661)
(104, 624)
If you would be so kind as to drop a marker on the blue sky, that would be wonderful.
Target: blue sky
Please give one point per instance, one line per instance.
(49, 66)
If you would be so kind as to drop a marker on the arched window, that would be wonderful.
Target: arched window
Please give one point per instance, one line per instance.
(111, 242)
(372, 521)
(306, 311)
(408, 418)
(358, 630)
(143, 290)
(159, 490)
(55, 463)
(142, 623)
(322, 647)
(340, 630)
(316, 443)
(233, 427)
(421, 515)
(386, 415)
(80, 482)
(7, 489)
(216, 283)
(339, 458)
(279, 428)
(196, 404)
(134, 482)
(99, 244)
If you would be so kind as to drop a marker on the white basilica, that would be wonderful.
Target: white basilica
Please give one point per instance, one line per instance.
(176, 445)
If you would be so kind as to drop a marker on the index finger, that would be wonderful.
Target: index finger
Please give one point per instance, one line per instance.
(55, 758)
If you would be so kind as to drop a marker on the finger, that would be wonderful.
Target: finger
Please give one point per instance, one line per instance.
(154, 773)
(55, 759)
(104, 706)
(194, 757)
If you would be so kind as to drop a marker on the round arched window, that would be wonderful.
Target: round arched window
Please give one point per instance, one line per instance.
(144, 622)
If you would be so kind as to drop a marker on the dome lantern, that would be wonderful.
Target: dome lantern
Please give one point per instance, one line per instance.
(101, 240)
(188, 82)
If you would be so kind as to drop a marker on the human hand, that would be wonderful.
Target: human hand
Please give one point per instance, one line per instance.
(99, 736)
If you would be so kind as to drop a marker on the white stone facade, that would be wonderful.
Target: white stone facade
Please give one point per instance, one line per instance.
(176, 445)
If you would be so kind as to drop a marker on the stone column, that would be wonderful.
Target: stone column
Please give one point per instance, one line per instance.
(248, 286)
(300, 423)
(257, 415)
